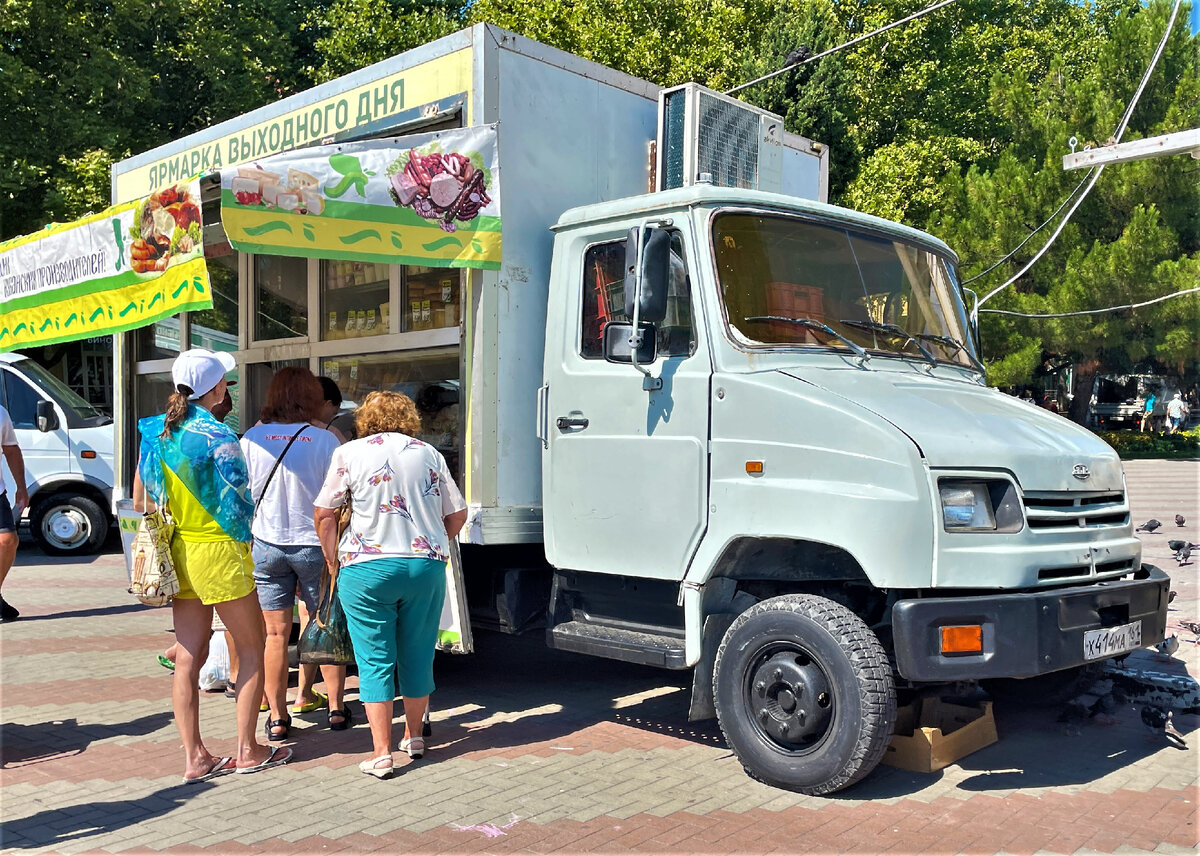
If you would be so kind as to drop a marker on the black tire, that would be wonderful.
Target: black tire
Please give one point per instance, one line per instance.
(68, 524)
(804, 694)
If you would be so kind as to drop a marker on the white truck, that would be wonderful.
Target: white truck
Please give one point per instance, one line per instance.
(721, 426)
(67, 445)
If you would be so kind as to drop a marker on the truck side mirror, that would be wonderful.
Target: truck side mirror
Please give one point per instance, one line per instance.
(617, 348)
(647, 286)
(47, 419)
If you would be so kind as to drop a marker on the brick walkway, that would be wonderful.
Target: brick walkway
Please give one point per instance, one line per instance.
(540, 752)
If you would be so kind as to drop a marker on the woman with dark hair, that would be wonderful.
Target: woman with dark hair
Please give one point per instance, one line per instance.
(192, 463)
(288, 457)
(341, 424)
(405, 509)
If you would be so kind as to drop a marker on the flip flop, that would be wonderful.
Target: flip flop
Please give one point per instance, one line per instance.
(318, 702)
(279, 756)
(166, 662)
(223, 767)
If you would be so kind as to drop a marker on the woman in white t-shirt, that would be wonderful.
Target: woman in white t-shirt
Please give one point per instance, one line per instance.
(392, 582)
(287, 551)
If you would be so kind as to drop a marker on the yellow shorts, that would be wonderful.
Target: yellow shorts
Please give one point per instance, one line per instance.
(213, 571)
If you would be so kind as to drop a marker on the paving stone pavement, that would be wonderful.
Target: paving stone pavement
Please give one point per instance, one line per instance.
(536, 751)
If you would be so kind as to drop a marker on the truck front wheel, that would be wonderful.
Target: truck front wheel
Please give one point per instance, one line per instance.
(804, 694)
(68, 524)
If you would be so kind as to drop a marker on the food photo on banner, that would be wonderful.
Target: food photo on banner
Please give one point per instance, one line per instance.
(421, 199)
(128, 266)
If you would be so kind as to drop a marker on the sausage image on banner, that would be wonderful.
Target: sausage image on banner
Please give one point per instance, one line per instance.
(165, 224)
(440, 186)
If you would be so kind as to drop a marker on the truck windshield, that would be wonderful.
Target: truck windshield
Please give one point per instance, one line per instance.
(789, 282)
(68, 399)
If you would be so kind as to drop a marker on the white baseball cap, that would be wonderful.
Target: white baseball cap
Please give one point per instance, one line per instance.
(200, 370)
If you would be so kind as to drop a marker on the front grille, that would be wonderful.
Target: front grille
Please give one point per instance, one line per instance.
(1066, 510)
(1122, 566)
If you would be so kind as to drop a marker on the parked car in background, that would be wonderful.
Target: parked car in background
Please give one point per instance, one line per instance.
(67, 444)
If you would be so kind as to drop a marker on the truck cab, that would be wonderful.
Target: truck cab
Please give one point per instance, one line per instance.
(795, 479)
(67, 445)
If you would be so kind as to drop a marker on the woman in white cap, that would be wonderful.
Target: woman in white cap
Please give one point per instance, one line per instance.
(193, 464)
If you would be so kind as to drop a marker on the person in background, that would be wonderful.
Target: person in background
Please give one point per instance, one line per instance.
(193, 464)
(1049, 403)
(287, 552)
(1148, 412)
(1177, 413)
(10, 513)
(341, 424)
(405, 510)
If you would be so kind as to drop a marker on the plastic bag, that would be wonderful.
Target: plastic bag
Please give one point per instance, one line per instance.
(214, 674)
(326, 639)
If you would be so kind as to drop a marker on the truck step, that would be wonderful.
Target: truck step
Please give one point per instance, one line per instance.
(617, 643)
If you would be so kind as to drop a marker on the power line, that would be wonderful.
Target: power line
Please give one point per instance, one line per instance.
(842, 46)
(1094, 311)
(1029, 237)
(1124, 123)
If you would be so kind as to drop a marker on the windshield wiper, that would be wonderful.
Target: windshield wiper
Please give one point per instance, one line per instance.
(810, 324)
(894, 331)
(953, 343)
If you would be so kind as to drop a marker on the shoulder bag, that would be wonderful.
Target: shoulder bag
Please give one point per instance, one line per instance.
(271, 474)
(153, 580)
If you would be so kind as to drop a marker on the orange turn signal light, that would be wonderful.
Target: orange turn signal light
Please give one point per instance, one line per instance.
(87, 453)
(754, 468)
(963, 639)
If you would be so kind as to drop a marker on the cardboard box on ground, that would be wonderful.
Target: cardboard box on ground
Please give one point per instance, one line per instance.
(932, 733)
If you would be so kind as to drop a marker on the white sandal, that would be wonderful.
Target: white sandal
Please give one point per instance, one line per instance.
(372, 768)
(414, 746)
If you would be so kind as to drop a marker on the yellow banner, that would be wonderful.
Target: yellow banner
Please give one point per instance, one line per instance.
(125, 267)
(378, 102)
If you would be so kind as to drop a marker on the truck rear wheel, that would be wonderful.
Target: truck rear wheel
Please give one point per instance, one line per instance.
(804, 694)
(68, 524)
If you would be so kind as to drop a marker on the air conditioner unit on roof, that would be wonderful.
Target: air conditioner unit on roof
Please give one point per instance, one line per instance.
(737, 144)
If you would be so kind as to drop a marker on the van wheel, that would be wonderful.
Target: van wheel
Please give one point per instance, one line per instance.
(68, 524)
(804, 694)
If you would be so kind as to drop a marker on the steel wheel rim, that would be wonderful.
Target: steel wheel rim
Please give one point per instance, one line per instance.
(789, 698)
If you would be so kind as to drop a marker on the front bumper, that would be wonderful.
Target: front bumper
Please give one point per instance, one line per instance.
(1025, 634)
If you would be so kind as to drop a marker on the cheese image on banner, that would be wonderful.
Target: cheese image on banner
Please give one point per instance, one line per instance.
(431, 199)
(128, 266)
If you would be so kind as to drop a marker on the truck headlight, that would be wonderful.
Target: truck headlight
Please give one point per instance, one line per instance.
(966, 505)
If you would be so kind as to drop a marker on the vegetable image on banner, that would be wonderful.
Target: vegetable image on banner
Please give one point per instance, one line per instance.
(126, 267)
(430, 199)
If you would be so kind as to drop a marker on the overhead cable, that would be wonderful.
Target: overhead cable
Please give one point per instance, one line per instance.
(1093, 311)
(1124, 123)
(842, 46)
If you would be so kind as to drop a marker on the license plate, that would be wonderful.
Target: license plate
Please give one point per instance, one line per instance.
(1111, 641)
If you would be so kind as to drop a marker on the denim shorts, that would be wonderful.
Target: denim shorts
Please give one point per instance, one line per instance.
(278, 570)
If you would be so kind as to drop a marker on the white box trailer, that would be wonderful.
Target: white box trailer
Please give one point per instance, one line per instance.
(571, 132)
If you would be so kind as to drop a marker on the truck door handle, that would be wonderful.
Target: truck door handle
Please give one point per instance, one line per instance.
(565, 422)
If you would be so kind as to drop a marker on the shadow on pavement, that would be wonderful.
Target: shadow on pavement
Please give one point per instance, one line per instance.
(48, 741)
(58, 826)
(86, 613)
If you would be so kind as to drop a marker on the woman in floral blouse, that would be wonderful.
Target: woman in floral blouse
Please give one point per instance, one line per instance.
(405, 510)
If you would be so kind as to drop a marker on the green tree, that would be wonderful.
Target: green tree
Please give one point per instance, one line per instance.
(1135, 238)
(352, 34)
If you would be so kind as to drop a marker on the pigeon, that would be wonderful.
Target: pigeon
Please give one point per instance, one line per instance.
(1171, 596)
(1176, 546)
(1149, 526)
(1183, 556)
(1180, 520)
(797, 56)
(1193, 626)
(1158, 721)
(1168, 646)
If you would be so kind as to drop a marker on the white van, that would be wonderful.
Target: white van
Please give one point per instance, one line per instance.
(68, 449)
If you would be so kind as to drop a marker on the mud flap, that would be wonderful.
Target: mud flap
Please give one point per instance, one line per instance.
(702, 705)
